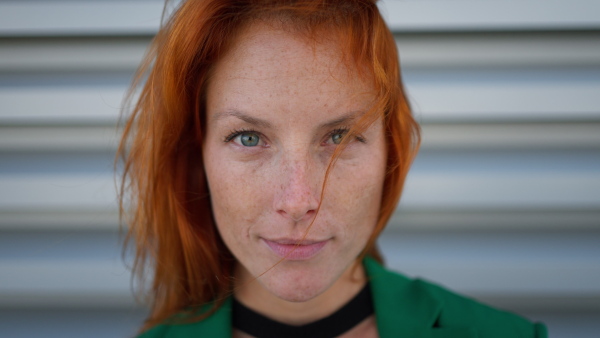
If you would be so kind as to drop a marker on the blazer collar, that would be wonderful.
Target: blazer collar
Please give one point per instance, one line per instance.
(217, 325)
(403, 308)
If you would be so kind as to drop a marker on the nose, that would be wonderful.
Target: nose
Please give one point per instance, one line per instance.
(299, 194)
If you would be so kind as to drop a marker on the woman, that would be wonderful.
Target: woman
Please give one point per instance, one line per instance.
(266, 152)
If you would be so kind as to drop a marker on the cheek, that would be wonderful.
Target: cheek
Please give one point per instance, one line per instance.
(354, 193)
(238, 191)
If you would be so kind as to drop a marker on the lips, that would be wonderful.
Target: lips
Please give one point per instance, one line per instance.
(294, 250)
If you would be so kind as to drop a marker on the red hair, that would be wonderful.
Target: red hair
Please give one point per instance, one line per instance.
(164, 197)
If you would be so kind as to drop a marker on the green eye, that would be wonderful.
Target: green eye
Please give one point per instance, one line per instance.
(249, 139)
(337, 137)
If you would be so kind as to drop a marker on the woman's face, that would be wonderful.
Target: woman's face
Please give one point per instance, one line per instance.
(276, 109)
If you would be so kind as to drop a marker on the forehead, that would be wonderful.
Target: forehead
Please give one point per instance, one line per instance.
(264, 50)
(282, 71)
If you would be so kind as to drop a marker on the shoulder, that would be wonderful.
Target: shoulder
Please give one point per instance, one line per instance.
(158, 331)
(461, 311)
(432, 307)
(215, 325)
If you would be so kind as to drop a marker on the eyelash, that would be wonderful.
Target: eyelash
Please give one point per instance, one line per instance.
(344, 130)
(236, 132)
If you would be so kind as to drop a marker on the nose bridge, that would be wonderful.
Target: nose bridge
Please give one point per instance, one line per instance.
(300, 174)
(300, 186)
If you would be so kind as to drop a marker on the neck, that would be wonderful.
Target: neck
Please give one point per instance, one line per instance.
(253, 295)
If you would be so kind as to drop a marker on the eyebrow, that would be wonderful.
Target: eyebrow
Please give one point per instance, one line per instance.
(244, 117)
(344, 119)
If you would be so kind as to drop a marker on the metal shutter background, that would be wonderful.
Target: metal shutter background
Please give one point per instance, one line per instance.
(503, 203)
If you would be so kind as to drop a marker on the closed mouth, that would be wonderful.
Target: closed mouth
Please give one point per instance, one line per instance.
(295, 249)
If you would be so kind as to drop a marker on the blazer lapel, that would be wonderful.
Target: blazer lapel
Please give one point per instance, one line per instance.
(453, 333)
(217, 325)
(403, 309)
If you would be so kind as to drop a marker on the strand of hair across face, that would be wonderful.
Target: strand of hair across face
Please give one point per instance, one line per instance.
(342, 146)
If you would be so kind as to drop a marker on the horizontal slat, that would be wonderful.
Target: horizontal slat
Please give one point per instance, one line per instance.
(97, 54)
(525, 50)
(137, 17)
(60, 105)
(462, 190)
(505, 101)
(405, 219)
(58, 138)
(435, 136)
(71, 322)
(26, 18)
(60, 192)
(543, 219)
(69, 218)
(503, 276)
(84, 284)
(533, 49)
(466, 190)
(491, 15)
(511, 136)
(455, 101)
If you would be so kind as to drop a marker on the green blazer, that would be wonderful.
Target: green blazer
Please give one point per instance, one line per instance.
(403, 308)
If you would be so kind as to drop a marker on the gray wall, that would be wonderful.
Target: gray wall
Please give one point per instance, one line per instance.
(503, 203)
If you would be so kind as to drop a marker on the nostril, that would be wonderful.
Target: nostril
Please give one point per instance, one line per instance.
(307, 215)
(298, 217)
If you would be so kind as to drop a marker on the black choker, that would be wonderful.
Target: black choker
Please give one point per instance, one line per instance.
(344, 319)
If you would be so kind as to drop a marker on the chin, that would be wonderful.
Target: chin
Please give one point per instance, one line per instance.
(296, 286)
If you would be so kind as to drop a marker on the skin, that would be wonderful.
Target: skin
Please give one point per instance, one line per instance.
(294, 100)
